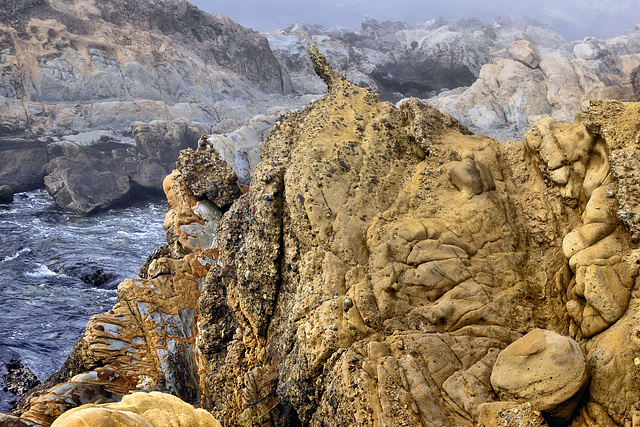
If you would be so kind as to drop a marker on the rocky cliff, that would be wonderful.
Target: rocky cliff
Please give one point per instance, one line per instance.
(499, 76)
(514, 92)
(386, 267)
(96, 68)
(400, 60)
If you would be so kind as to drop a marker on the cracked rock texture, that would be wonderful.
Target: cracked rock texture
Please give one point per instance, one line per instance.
(382, 264)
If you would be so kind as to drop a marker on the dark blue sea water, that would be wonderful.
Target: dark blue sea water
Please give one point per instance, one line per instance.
(44, 256)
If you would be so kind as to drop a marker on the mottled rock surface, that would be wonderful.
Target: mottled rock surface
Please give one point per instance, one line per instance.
(22, 163)
(381, 260)
(152, 409)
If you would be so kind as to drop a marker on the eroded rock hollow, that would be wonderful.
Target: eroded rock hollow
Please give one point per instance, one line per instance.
(380, 262)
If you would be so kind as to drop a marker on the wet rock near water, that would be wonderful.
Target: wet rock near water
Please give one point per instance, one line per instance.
(6, 194)
(22, 163)
(17, 380)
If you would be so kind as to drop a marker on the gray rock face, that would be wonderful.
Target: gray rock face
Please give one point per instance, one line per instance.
(162, 141)
(411, 60)
(86, 182)
(22, 164)
(116, 62)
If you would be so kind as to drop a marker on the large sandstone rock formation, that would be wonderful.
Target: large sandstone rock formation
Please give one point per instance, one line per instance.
(87, 52)
(381, 261)
(81, 66)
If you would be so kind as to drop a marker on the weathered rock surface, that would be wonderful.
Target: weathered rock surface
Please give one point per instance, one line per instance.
(147, 341)
(81, 66)
(543, 368)
(152, 409)
(380, 261)
(172, 52)
(87, 180)
(399, 59)
(162, 141)
(22, 163)
(534, 80)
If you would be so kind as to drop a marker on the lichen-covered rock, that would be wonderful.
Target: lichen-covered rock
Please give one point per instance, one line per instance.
(543, 368)
(208, 176)
(152, 409)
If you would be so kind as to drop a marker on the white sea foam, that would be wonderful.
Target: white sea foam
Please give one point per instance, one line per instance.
(17, 254)
(41, 271)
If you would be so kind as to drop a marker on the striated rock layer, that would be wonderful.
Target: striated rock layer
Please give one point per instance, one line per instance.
(381, 261)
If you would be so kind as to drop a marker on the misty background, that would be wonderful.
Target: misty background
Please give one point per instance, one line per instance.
(574, 19)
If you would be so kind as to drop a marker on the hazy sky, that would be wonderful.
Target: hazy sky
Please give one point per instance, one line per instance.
(574, 19)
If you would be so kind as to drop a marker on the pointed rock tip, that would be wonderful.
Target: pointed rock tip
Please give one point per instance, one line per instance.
(323, 69)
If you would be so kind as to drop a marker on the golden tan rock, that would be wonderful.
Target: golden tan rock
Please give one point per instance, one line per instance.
(152, 409)
(380, 261)
(543, 368)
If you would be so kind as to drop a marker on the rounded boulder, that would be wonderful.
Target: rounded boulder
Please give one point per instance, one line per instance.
(544, 368)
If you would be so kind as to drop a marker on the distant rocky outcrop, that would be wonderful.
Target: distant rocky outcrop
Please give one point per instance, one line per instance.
(386, 267)
(499, 76)
(401, 60)
(514, 92)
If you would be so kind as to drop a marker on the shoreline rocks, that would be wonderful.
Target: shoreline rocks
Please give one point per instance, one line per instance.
(6, 194)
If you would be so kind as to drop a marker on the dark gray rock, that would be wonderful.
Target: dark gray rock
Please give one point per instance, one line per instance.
(22, 164)
(88, 182)
(162, 140)
(6, 194)
(146, 174)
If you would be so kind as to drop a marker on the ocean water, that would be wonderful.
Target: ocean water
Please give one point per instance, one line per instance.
(47, 258)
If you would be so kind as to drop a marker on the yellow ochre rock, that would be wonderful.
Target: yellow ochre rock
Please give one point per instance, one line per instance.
(140, 409)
